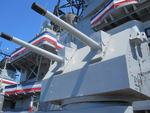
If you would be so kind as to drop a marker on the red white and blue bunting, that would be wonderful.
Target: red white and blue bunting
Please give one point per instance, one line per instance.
(110, 6)
(40, 39)
(22, 88)
(7, 82)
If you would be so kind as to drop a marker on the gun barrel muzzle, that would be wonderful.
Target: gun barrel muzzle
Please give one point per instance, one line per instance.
(38, 9)
(6, 36)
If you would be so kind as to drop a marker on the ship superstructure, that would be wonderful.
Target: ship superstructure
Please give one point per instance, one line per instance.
(103, 65)
(7, 78)
(32, 68)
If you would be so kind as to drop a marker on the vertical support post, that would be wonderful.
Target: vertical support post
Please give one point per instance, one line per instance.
(39, 67)
(31, 105)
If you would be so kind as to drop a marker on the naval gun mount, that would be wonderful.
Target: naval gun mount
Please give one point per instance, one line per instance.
(105, 76)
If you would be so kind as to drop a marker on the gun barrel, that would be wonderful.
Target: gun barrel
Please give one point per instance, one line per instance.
(84, 38)
(33, 48)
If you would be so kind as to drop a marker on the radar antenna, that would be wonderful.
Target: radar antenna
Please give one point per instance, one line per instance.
(76, 6)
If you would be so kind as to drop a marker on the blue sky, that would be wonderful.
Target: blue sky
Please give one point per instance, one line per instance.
(19, 20)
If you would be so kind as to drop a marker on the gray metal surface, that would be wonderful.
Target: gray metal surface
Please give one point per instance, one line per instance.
(97, 109)
(99, 81)
(94, 110)
(1, 102)
(116, 75)
(141, 105)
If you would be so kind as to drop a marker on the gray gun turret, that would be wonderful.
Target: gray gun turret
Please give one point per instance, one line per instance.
(93, 81)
